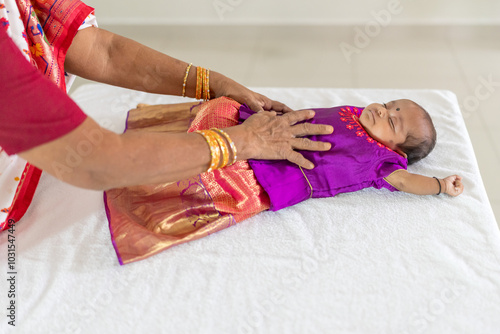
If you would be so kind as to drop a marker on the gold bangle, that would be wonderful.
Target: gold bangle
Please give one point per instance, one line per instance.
(199, 82)
(231, 144)
(211, 139)
(204, 80)
(185, 80)
(206, 85)
(224, 148)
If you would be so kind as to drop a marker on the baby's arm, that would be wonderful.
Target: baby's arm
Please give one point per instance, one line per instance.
(423, 185)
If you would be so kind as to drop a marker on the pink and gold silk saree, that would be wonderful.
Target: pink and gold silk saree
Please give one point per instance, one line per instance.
(145, 220)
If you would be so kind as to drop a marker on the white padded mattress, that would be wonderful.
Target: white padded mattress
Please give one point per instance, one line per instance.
(365, 262)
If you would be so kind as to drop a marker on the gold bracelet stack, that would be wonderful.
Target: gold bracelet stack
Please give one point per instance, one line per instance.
(199, 81)
(220, 151)
(224, 149)
(231, 143)
(202, 83)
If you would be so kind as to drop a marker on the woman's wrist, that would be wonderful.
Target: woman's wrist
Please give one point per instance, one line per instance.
(217, 84)
(242, 140)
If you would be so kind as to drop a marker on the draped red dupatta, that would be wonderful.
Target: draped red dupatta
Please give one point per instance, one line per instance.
(50, 26)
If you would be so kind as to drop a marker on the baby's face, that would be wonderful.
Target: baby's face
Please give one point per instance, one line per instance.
(389, 123)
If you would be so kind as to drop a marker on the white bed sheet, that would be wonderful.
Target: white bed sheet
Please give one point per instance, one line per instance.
(366, 262)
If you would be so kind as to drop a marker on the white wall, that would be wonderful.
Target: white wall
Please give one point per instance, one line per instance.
(255, 12)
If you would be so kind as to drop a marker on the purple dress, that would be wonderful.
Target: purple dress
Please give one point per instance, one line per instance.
(355, 161)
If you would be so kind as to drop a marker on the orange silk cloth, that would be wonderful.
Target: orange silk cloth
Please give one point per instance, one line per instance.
(145, 220)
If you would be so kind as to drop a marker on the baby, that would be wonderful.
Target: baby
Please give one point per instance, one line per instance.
(370, 147)
(405, 127)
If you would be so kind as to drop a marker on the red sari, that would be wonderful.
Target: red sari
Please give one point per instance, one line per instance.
(49, 28)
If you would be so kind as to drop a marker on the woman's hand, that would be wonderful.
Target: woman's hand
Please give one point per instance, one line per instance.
(453, 185)
(223, 86)
(266, 135)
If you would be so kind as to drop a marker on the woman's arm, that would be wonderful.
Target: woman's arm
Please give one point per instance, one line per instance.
(103, 56)
(423, 185)
(95, 158)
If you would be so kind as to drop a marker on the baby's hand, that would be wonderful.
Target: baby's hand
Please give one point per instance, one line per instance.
(453, 185)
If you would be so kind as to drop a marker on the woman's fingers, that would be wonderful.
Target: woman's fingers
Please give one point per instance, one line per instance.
(296, 116)
(270, 136)
(223, 86)
(309, 129)
(298, 159)
(256, 106)
(262, 103)
(310, 145)
(306, 129)
(305, 145)
(278, 106)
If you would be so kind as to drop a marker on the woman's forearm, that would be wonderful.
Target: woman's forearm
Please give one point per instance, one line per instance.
(96, 158)
(102, 56)
(119, 61)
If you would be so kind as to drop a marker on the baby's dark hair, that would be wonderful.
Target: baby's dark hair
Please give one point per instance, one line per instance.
(417, 148)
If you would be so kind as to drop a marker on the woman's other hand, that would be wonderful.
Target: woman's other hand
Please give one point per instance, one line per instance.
(266, 135)
(223, 86)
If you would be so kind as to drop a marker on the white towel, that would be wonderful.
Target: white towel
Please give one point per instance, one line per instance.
(365, 262)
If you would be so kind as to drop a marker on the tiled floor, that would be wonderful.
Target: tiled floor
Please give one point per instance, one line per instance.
(460, 59)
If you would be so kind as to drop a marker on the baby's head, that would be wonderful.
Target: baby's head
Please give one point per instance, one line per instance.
(403, 126)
